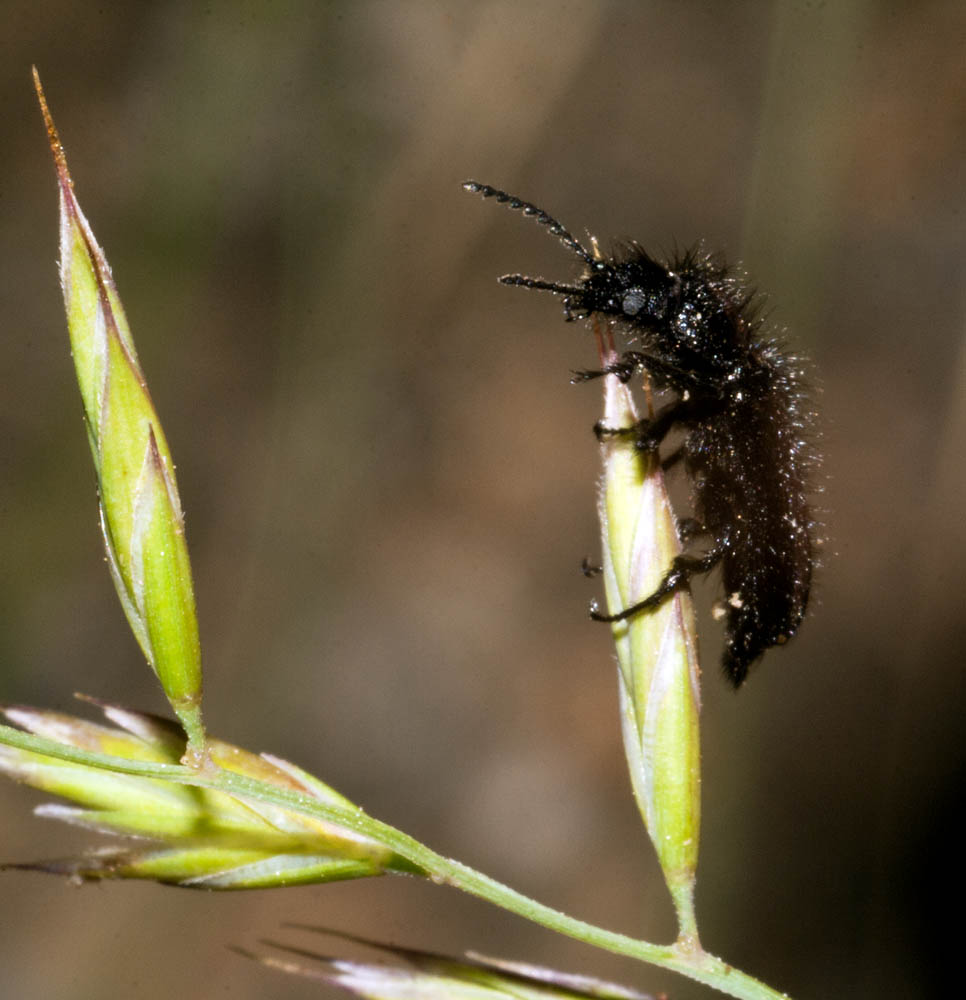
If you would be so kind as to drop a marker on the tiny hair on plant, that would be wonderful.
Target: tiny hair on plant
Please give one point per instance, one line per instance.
(742, 403)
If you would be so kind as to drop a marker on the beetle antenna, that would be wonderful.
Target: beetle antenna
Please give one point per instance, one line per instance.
(540, 284)
(511, 201)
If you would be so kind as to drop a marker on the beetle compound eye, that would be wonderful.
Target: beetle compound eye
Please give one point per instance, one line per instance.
(633, 301)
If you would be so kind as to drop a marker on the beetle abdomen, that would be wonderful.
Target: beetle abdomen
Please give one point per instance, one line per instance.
(749, 465)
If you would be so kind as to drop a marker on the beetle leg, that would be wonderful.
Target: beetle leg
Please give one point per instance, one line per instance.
(690, 527)
(672, 459)
(677, 577)
(629, 363)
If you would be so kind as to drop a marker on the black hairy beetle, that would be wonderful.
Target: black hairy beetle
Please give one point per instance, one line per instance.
(742, 403)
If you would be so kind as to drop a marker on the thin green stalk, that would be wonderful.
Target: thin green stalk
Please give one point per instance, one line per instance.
(694, 963)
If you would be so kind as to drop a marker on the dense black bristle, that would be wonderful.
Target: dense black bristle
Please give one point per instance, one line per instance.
(696, 328)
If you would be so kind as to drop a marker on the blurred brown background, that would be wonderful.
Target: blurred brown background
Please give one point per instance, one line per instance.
(390, 483)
